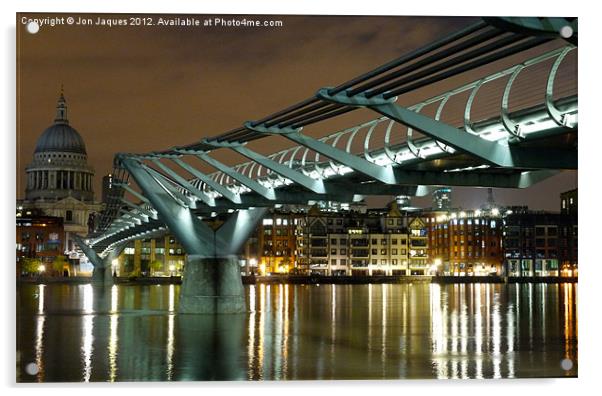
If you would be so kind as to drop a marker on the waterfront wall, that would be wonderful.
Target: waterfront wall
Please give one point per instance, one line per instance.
(312, 280)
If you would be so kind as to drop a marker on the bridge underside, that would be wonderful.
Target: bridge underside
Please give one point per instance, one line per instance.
(507, 149)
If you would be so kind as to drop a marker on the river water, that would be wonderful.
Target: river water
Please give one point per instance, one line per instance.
(394, 331)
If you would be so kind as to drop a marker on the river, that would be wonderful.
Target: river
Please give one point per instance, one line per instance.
(80, 333)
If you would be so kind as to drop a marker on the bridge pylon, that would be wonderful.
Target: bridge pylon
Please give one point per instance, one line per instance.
(211, 280)
(101, 274)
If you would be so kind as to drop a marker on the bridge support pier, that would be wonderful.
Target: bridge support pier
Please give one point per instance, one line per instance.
(212, 285)
(211, 280)
(101, 275)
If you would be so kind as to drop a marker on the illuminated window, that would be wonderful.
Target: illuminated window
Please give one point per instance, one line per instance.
(278, 221)
(268, 222)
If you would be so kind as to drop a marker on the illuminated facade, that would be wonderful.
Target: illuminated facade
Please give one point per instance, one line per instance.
(538, 243)
(465, 242)
(277, 243)
(377, 242)
(39, 237)
(162, 256)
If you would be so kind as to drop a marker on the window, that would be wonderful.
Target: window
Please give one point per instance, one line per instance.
(383, 251)
(394, 251)
(268, 222)
(333, 251)
(394, 241)
(333, 241)
(374, 261)
(375, 251)
(333, 262)
(69, 216)
(343, 241)
(374, 241)
(394, 262)
(343, 251)
(278, 221)
(383, 241)
(383, 262)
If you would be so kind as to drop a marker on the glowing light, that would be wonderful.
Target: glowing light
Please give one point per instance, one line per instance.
(87, 336)
(39, 340)
(477, 213)
(115, 263)
(462, 215)
(42, 268)
(253, 262)
(172, 267)
(438, 262)
(495, 211)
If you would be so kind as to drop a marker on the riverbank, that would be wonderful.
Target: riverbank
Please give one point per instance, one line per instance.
(315, 279)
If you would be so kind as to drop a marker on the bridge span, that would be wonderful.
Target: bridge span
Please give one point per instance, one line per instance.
(513, 125)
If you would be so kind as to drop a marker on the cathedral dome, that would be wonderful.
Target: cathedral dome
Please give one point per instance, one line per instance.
(60, 137)
(60, 163)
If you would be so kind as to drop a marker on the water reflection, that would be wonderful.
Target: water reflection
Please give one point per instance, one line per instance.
(39, 341)
(129, 333)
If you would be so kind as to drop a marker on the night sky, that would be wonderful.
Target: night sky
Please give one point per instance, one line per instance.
(139, 89)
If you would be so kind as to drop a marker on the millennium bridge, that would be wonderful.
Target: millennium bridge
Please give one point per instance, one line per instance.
(513, 126)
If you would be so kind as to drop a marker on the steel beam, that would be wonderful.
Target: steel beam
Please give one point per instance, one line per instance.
(139, 208)
(496, 153)
(194, 235)
(309, 183)
(253, 185)
(90, 253)
(185, 183)
(224, 191)
(132, 191)
(383, 174)
(168, 186)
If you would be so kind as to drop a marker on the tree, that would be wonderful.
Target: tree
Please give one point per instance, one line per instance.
(58, 264)
(156, 266)
(31, 265)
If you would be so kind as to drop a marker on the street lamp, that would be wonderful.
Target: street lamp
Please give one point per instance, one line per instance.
(435, 266)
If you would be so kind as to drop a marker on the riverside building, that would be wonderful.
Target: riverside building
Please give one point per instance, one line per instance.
(60, 182)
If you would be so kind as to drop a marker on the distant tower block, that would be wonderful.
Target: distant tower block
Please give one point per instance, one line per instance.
(490, 200)
(403, 201)
(442, 198)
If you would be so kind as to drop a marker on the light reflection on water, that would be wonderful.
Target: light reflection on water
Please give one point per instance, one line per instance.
(133, 333)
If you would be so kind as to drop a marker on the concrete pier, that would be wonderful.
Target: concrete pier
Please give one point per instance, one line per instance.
(212, 285)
